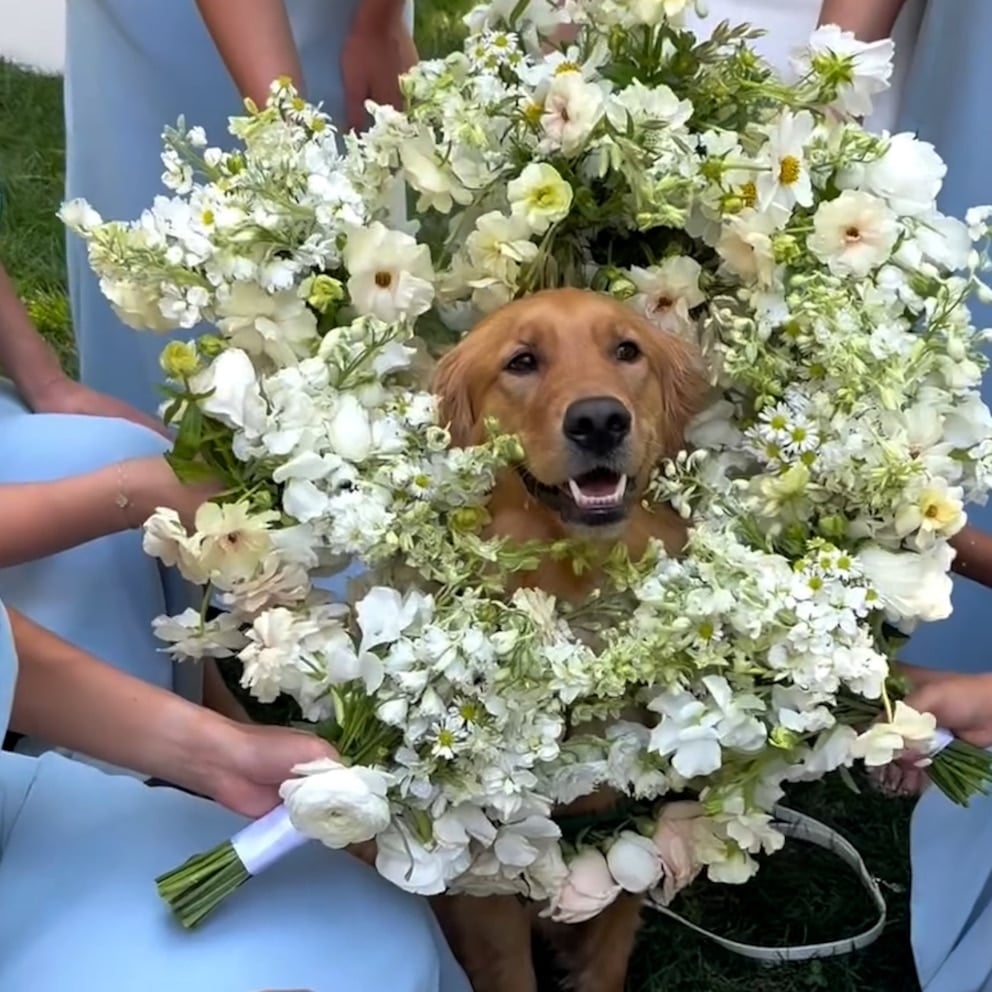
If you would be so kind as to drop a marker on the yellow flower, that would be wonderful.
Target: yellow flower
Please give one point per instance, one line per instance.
(179, 360)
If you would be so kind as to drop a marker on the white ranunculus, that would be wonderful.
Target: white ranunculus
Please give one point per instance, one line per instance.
(667, 292)
(277, 325)
(908, 176)
(745, 245)
(572, 109)
(539, 196)
(588, 890)
(232, 541)
(391, 275)
(853, 234)
(235, 398)
(349, 430)
(911, 586)
(634, 862)
(337, 804)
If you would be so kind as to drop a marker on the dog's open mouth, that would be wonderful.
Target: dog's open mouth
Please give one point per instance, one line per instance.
(593, 498)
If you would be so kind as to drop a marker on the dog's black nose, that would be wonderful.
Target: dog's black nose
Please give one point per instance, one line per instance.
(598, 424)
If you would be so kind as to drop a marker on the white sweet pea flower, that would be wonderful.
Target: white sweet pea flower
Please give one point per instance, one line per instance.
(384, 614)
(499, 245)
(337, 804)
(784, 180)
(235, 398)
(403, 860)
(587, 891)
(427, 172)
(190, 636)
(572, 110)
(667, 292)
(639, 103)
(278, 325)
(392, 277)
(745, 245)
(688, 732)
(853, 234)
(634, 862)
(164, 537)
(539, 196)
(521, 843)
(882, 743)
(911, 586)
(908, 176)
(865, 67)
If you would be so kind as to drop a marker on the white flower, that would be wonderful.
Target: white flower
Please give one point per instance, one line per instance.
(785, 180)
(165, 538)
(909, 730)
(539, 196)
(278, 325)
(391, 276)
(337, 804)
(190, 636)
(232, 540)
(499, 244)
(745, 245)
(235, 398)
(384, 614)
(137, 306)
(635, 862)
(853, 234)
(688, 731)
(79, 216)
(640, 103)
(930, 509)
(667, 292)
(436, 183)
(864, 67)
(587, 891)
(403, 860)
(572, 109)
(908, 176)
(349, 430)
(911, 586)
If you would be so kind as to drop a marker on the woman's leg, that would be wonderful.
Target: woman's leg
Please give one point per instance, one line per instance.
(101, 596)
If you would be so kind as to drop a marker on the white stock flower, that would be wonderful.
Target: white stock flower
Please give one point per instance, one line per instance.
(278, 325)
(235, 398)
(572, 109)
(634, 862)
(539, 196)
(587, 891)
(911, 586)
(853, 234)
(391, 275)
(337, 804)
(667, 292)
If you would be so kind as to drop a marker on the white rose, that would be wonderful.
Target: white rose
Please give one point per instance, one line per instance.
(675, 838)
(587, 891)
(634, 862)
(911, 586)
(234, 395)
(335, 804)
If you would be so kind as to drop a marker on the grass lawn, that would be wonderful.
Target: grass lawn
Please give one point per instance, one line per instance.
(800, 895)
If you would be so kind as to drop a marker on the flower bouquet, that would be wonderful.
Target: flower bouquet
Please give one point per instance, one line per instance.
(802, 256)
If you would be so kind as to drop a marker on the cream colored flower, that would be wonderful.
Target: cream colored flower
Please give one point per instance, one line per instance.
(853, 234)
(539, 196)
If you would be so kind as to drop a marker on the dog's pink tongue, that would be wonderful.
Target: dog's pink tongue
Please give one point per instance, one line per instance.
(598, 488)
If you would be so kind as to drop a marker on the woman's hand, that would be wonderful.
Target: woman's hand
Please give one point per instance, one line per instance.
(961, 703)
(379, 49)
(148, 483)
(245, 764)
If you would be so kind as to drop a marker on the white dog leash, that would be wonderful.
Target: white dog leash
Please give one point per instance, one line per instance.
(804, 828)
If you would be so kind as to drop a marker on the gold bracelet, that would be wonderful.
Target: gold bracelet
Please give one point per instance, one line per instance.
(122, 500)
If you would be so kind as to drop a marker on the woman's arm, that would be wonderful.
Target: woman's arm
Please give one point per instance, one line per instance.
(870, 20)
(68, 697)
(105, 501)
(255, 42)
(974, 555)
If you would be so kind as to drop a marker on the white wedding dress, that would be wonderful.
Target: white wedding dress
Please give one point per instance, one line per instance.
(789, 23)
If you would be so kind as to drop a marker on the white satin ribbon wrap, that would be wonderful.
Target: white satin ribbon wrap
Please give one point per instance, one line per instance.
(265, 841)
(941, 739)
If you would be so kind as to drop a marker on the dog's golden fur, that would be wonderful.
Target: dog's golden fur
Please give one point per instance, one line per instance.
(579, 344)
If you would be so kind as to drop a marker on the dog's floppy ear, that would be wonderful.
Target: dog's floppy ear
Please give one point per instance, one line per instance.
(684, 386)
(451, 385)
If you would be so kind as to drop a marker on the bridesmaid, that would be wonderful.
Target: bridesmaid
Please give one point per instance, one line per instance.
(79, 850)
(789, 23)
(133, 68)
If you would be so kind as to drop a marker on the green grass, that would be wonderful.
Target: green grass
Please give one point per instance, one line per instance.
(800, 895)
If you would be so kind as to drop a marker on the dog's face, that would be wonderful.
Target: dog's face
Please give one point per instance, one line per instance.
(595, 393)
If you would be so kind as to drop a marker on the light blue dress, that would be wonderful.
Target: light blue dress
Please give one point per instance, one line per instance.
(132, 68)
(101, 596)
(78, 908)
(946, 102)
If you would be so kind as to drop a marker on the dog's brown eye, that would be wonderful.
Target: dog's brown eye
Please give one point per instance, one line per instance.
(522, 363)
(627, 351)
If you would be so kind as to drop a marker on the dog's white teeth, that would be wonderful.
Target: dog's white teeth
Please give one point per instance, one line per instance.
(590, 501)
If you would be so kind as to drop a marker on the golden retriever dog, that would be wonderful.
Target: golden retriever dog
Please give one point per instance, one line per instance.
(597, 396)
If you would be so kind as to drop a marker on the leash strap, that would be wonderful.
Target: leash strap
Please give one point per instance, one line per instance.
(805, 828)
